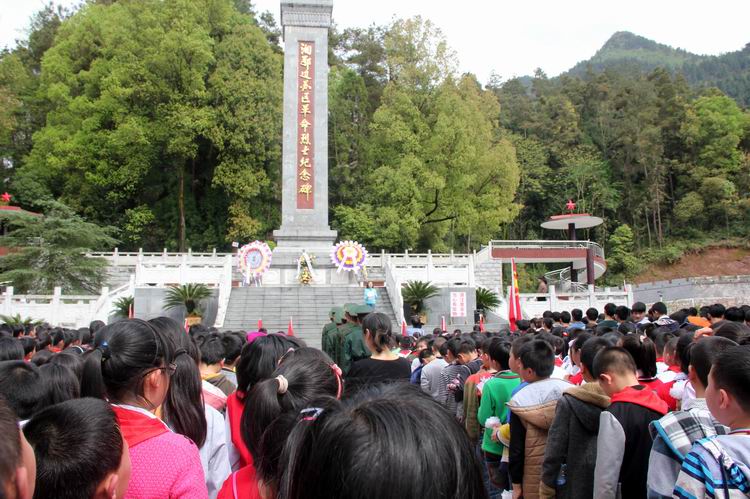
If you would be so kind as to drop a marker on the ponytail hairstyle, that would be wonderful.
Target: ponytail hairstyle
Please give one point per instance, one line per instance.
(303, 375)
(643, 352)
(260, 358)
(92, 381)
(126, 351)
(183, 409)
(378, 326)
(345, 449)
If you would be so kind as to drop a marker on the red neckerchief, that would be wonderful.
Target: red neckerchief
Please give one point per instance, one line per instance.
(674, 369)
(245, 484)
(643, 396)
(137, 427)
(235, 408)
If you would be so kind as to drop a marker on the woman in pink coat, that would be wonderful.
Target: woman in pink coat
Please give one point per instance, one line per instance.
(133, 364)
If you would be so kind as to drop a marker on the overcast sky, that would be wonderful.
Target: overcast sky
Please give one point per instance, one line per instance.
(514, 37)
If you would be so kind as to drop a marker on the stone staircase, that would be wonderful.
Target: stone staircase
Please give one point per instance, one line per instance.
(118, 276)
(487, 275)
(307, 306)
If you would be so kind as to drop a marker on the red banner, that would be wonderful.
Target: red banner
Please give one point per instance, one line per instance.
(305, 126)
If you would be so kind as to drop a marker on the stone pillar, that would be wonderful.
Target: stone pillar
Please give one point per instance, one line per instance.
(304, 206)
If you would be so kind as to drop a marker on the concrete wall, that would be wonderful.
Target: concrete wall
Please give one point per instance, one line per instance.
(149, 304)
(441, 306)
(693, 288)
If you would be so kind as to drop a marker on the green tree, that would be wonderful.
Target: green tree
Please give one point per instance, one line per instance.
(156, 110)
(621, 260)
(50, 250)
(348, 123)
(713, 129)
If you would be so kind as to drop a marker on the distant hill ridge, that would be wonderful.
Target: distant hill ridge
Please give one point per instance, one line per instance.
(625, 51)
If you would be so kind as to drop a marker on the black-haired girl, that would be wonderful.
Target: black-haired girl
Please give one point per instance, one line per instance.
(303, 375)
(383, 365)
(134, 365)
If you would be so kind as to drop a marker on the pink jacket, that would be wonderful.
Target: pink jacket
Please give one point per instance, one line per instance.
(166, 467)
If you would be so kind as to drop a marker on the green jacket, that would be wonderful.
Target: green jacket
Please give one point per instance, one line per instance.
(337, 339)
(496, 394)
(354, 347)
(327, 338)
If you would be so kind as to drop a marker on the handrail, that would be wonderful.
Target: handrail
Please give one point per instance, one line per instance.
(393, 285)
(225, 291)
(542, 244)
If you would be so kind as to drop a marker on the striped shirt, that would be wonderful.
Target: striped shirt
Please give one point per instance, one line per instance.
(715, 468)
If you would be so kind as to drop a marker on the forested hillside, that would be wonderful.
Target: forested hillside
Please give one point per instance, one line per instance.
(162, 118)
(627, 52)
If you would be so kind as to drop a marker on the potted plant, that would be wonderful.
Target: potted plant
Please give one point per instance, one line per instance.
(415, 293)
(123, 306)
(190, 297)
(486, 299)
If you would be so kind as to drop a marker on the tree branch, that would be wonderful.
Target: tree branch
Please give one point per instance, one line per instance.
(434, 208)
(444, 219)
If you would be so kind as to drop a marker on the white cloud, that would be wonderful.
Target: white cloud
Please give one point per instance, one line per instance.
(515, 37)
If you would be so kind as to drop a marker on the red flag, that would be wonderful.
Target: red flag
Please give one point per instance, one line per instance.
(260, 324)
(290, 329)
(442, 324)
(403, 327)
(131, 313)
(514, 300)
(481, 322)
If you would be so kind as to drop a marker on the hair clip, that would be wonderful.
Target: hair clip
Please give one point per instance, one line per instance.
(311, 413)
(281, 359)
(283, 384)
(104, 349)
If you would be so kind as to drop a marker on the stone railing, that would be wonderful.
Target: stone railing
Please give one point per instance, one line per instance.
(393, 285)
(64, 310)
(535, 304)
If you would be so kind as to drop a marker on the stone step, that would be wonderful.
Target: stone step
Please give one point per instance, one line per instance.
(307, 306)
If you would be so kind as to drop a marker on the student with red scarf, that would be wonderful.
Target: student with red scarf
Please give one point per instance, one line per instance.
(303, 375)
(259, 358)
(133, 363)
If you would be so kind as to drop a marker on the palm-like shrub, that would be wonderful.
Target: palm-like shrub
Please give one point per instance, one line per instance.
(123, 305)
(416, 292)
(17, 320)
(187, 295)
(486, 299)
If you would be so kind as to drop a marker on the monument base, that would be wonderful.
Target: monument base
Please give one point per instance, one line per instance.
(318, 243)
(323, 276)
(304, 238)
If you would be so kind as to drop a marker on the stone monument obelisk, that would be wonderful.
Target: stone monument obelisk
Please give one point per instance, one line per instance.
(304, 205)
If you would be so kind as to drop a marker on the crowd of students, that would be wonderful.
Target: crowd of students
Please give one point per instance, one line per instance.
(631, 403)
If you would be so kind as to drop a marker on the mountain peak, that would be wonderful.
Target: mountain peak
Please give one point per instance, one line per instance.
(628, 51)
(628, 41)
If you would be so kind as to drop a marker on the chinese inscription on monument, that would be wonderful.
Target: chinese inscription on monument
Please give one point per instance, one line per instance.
(305, 126)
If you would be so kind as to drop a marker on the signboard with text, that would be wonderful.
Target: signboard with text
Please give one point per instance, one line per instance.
(458, 304)
(305, 126)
